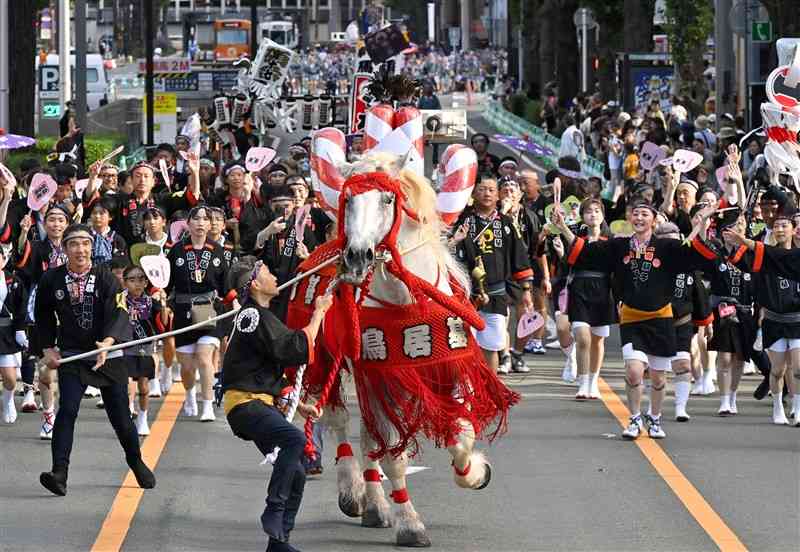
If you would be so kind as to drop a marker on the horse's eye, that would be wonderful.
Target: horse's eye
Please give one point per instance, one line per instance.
(387, 199)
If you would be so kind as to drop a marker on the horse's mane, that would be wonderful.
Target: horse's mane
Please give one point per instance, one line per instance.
(422, 199)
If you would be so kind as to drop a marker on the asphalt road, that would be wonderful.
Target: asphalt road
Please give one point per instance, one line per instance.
(563, 480)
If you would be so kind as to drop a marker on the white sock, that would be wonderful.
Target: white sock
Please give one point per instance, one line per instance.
(682, 388)
(537, 342)
(8, 395)
(796, 404)
(191, 393)
(143, 415)
(733, 397)
(777, 405)
(594, 379)
(725, 401)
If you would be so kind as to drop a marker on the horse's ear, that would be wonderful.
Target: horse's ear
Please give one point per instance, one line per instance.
(405, 161)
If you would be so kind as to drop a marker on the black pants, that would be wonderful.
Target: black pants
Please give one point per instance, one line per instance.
(115, 398)
(267, 428)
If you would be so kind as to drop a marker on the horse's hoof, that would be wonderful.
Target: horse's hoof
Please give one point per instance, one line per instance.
(486, 478)
(413, 539)
(374, 516)
(350, 506)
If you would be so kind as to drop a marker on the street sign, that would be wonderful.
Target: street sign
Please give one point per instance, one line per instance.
(51, 111)
(454, 36)
(165, 117)
(761, 31)
(172, 65)
(48, 82)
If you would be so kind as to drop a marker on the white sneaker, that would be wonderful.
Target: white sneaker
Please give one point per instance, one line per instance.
(100, 403)
(91, 392)
(724, 406)
(165, 378)
(778, 414)
(583, 388)
(697, 388)
(48, 419)
(504, 367)
(680, 413)
(190, 403)
(208, 412)
(796, 408)
(553, 345)
(734, 409)
(9, 408)
(155, 388)
(142, 428)
(570, 372)
(594, 386)
(654, 429)
(749, 368)
(634, 428)
(29, 401)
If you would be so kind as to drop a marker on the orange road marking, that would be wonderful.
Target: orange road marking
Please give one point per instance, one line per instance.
(118, 521)
(701, 510)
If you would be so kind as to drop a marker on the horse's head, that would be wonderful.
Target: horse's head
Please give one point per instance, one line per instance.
(368, 218)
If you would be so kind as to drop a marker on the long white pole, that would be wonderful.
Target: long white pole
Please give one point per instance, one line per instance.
(584, 51)
(64, 67)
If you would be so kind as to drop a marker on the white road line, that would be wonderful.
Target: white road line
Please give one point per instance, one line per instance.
(523, 157)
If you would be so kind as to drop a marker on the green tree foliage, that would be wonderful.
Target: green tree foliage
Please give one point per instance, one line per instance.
(689, 25)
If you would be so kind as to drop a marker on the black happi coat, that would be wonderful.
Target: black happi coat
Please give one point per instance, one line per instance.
(187, 265)
(37, 257)
(12, 313)
(732, 296)
(252, 215)
(280, 256)
(505, 258)
(75, 328)
(145, 317)
(646, 282)
(260, 349)
(777, 286)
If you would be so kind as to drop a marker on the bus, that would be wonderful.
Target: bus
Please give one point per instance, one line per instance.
(231, 39)
(283, 33)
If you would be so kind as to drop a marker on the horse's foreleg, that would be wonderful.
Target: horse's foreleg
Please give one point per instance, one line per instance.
(410, 529)
(349, 480)
(377, 512)
(471, 468)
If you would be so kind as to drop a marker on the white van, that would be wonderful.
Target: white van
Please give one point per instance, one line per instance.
(96, 78)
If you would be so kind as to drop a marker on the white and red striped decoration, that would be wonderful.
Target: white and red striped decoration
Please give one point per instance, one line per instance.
(459, 165)
(409, 120)
(378, 124)
(328, 153)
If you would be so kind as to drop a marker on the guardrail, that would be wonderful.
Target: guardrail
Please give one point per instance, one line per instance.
(506, 122)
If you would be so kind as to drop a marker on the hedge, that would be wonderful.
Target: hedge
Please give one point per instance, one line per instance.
(96, 147)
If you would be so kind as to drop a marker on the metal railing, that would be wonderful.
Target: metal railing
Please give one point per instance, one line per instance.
(506, 122)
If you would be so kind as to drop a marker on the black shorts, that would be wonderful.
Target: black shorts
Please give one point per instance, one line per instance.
(773, 331)
(732, 336)
(140, 366)
(683, 337)
(653, 337)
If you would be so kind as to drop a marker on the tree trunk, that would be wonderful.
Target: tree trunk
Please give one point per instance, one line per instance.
(567, 54)
(606, 70)
(638, 31)
(22, 57)
(547, 60)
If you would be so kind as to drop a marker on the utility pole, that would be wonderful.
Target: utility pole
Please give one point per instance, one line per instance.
(465, 19)
(520, 49)
(723, 58)
(64, 72)
(148, 85)
(253, 29)
(4, 64)
(80, 62)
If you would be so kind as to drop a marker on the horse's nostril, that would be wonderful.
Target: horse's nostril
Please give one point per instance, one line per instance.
(370, 255)
(350, 255)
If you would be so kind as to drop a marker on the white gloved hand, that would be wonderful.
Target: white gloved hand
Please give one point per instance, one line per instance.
(21, 338)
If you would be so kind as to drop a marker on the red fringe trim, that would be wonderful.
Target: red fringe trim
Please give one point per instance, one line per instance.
(343, 450)
(372, 476)
(430, 399)
(399, 496)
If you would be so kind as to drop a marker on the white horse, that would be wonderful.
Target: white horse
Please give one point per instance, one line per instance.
(368, 217)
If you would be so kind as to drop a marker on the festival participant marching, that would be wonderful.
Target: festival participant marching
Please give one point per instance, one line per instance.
(80, 307)
(492, 246)
(148, 315)
(691, 309)
(778, 290)
(647, 267)
(13, 340)
(732, 298)
(253, 382)
(591, 308)
(197, 278)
